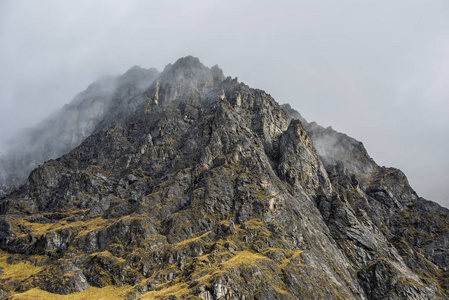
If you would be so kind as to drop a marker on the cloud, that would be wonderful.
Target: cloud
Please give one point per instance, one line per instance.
(374, 70)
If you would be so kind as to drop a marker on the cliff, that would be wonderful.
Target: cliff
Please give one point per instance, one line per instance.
(200, 187)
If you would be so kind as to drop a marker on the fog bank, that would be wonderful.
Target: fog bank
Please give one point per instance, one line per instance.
(374, 70)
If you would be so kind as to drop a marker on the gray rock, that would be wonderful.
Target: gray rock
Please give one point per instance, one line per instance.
(200, 186)
(3, 294)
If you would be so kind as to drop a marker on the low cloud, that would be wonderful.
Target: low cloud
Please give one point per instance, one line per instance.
(374, 70)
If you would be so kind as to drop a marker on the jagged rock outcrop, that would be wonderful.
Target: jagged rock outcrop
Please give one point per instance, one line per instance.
(202, 187)
(382, 199)
(107, 99)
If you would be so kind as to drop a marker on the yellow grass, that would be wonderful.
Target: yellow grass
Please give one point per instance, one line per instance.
(84, 227)
(17, 271)
(106, 293)
(243, 258)
(180, 290)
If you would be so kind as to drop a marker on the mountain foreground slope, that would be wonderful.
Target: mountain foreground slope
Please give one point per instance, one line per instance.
(191, 185)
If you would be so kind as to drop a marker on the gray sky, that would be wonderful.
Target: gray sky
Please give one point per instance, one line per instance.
(376, 70)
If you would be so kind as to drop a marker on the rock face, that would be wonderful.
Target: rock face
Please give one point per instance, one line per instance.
(200, 187)
(66, 129)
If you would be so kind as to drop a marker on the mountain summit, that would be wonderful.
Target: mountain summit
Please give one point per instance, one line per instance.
(191, 185)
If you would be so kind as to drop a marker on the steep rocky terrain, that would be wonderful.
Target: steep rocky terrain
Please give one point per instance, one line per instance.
(197, 186)
(67, 128)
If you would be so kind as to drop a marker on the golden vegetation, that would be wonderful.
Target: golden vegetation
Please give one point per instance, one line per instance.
(17, 270)
(179, 289)
(106, 293)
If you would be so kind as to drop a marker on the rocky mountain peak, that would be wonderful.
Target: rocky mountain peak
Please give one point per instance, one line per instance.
(186, 64)
(183, 80)
(196, 186)
(140, 76)
(189, 69)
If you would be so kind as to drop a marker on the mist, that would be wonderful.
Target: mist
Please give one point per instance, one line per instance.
(376, 71)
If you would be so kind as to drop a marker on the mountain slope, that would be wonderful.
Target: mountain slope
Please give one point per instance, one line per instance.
(67, 128)
(204, 187)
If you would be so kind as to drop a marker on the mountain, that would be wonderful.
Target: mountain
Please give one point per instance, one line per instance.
(67, 128)
(196, 186)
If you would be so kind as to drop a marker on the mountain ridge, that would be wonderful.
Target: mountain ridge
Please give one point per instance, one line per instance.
(200, 186)
(67, 128)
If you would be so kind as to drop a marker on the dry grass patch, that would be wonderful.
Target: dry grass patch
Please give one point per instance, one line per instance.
(106, 293)
(16, 271)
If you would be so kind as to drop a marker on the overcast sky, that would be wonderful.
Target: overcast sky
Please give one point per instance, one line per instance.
(376, 70)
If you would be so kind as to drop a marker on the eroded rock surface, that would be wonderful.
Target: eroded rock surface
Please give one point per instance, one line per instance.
(199, 186)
